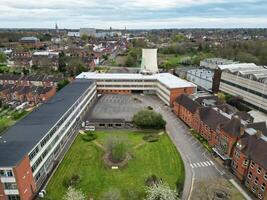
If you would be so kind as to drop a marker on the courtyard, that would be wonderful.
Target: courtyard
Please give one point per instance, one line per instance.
(85, 160)
(115, 106)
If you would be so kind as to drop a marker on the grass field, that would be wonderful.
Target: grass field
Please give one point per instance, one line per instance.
(85, 159)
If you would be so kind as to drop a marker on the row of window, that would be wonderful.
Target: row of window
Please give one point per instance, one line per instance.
(52, 132)
(256, 181)
(6, 173)
(126, 80)
(245, 89)
(40, 159)
(127, 86)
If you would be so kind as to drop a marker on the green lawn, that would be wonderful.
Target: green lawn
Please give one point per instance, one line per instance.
(85, 159)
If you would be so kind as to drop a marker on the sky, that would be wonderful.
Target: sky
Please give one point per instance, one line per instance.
(133, 14)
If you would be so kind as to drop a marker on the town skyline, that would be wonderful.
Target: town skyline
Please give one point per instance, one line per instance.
(136, 14)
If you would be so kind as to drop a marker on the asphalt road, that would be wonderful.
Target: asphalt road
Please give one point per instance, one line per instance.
(198, 162)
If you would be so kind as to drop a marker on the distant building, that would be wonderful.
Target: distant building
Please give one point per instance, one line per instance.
(213, 63)
(73, 34)
(45, 59)
(201, 77)
(88, 32)
(246, 80)
(149, 61)
(30, 41)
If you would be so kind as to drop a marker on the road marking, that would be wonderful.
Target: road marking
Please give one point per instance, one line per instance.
(202, 164)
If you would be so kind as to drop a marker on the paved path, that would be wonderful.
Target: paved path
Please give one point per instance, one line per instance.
(198, 164)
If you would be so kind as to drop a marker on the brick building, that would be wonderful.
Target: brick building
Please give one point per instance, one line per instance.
(233, 136)
(31, 148)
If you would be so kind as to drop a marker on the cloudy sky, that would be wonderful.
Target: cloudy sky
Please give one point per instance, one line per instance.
(133, 13)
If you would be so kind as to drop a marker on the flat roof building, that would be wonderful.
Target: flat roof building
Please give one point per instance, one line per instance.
(246, 80)
(30, 148)
(166, 86)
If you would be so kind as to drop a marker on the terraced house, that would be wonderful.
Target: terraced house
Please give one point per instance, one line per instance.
(233, 136)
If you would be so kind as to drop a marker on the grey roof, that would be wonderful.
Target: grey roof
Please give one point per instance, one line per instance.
(26, 133)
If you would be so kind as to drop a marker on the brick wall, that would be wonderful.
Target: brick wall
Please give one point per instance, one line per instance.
(25, 180)
(2, 195)
(255, 179)
(174, 93)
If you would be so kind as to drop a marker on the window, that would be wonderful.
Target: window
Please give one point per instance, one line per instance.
(13, 197)
(259, 170)
(6, 173)
(263, 187)
(10, 186)
(256, 180)
(249, 175)
(245, 163)
(265, 176)
(252, 165)
(237, 154)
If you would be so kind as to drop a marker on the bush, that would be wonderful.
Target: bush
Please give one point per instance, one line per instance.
(152, 180)
(151, 138)
(117, 148)
(149, 119)
(179, 187)
(72, 181)
(149, 108)
(89, 136)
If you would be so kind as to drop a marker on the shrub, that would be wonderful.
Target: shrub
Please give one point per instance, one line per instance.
(152, 180)
(179, 187)
(149, 119)
(151, 138)
(149, 108)
(161, 191)
(72, 181)
(117, 148)
(89, 136)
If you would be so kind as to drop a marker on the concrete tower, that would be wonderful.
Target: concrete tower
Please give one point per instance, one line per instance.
(149, 61)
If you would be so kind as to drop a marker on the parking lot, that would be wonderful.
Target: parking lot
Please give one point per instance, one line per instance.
(115, 106)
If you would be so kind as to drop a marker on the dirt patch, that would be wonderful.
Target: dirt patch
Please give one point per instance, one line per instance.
(111, 163)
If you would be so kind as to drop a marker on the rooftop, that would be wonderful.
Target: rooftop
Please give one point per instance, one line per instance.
(167, 79)
(21, 138)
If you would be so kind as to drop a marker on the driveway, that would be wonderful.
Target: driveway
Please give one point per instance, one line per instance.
(198, 163)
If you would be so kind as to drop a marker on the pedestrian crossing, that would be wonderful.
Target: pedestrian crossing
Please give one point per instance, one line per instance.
(202, 164)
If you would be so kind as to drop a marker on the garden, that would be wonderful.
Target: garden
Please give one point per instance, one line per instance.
(116, 164)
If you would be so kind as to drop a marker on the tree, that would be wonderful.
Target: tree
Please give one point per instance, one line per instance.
(73, 194)
(84, 37)
(2, 57)
(112, 194)
(161, 191)
(117, 148)
(62, 84)
(62, 62)
(149, 119)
